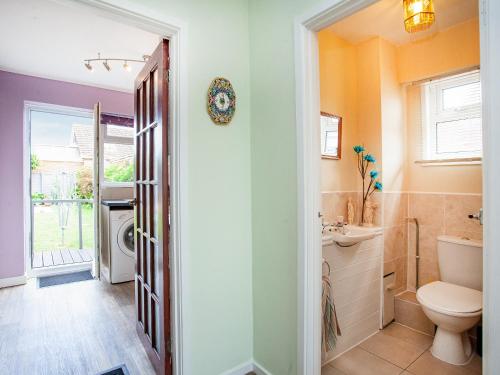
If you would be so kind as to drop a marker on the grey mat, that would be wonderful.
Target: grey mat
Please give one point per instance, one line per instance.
(64, 279)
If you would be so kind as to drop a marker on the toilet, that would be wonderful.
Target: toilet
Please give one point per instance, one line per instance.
(455, 303)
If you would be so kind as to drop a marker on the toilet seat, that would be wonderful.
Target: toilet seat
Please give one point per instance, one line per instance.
(451, 299)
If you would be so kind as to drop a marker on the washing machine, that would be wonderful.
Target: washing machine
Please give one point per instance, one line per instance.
(117, 249)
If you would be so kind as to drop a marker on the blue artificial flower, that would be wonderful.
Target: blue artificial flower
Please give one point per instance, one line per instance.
(369, 158)
(378, 186)
(373, 174)
(358, 149)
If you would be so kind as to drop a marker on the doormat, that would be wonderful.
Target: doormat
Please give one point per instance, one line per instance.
(119, 370)
(64, 279)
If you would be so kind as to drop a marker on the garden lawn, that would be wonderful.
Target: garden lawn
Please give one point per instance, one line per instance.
(47, 230)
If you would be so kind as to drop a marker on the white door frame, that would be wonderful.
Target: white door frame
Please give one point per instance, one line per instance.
(30, 106)
(175, 31)
(308, 172)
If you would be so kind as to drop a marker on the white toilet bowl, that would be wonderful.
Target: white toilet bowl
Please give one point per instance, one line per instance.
(454, 309)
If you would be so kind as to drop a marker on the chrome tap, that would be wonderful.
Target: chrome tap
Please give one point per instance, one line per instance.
(324, 226)
(340, 225)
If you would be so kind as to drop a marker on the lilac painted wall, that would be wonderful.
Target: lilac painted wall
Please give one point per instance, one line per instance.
(14, 90)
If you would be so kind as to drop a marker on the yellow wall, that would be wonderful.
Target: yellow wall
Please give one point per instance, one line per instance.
(445, 179)
(369, 105)
(452, 50)
(448, 51)
(393, 122)
(363, 83)
(337, 64)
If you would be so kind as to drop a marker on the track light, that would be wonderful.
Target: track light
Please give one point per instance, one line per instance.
(106, 65)
(105, 62)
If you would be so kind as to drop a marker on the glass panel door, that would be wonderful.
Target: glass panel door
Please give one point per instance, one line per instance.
(61, 201)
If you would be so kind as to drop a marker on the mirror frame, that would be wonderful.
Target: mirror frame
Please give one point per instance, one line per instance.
(339, 153)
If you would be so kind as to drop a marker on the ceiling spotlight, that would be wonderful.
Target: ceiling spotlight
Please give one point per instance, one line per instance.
(126, 66)
(106, 65)
(89, 67)
(145, 57)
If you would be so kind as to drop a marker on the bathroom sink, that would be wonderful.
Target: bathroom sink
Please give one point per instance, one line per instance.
(351, 235)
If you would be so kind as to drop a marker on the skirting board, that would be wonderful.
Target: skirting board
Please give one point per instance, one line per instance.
(12, 281)
(245, 368)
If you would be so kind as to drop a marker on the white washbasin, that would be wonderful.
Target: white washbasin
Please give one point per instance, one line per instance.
(351, 235)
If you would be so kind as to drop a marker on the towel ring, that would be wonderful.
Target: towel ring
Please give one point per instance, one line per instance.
(328, 265)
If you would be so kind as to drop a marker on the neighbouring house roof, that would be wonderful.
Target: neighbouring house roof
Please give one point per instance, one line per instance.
(57, 153)
(82, 136)
(81, 147)
(116, 153)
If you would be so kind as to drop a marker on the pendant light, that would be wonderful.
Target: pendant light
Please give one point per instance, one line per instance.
(418, 15)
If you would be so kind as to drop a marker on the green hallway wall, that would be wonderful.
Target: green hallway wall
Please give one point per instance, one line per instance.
(218, 281)
(274, 181)
(242, 253)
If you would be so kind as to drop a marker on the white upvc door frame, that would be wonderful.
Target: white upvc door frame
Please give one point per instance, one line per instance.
(308, 172)
(29, 107)
(175, 31)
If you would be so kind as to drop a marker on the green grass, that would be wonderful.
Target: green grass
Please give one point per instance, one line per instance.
(47, 232)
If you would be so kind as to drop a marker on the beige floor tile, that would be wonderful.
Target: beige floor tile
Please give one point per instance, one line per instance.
(429, 365)
(360, 362)
(408, 296)
(330, 370)
(412, 315)
(393, 349)
(420, 340)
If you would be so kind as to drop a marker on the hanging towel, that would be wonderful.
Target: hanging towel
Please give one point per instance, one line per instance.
(330, 326)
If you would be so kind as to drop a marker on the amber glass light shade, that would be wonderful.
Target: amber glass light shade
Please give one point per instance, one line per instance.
(419, 15)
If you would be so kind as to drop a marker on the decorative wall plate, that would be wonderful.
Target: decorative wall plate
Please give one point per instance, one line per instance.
(221, 101)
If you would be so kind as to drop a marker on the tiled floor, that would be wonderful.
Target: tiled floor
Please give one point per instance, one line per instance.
(396, 350)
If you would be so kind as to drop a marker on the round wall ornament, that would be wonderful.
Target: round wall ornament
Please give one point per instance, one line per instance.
(221, 101)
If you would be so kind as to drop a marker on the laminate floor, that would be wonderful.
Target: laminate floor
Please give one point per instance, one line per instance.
(78, 328)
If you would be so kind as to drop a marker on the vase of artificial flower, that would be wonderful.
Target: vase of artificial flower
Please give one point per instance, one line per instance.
(364, 164)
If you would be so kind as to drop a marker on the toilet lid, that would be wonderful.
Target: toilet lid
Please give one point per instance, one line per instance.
(452, 298)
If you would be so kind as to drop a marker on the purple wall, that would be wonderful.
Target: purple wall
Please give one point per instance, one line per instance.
(14, 90)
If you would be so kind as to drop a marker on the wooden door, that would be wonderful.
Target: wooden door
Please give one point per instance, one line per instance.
(152, 281)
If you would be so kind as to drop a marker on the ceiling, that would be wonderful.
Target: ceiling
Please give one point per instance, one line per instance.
(51, 40)
(385, 19)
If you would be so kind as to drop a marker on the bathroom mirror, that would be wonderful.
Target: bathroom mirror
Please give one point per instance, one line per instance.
(331, 136)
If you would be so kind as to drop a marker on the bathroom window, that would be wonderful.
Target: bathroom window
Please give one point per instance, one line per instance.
(451, 118)
(118, 150)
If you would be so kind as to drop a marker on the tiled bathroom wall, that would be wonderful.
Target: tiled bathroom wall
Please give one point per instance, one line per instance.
(334, 203)
(390, 214)
(395, 212)
(355, 275)
(439, 214)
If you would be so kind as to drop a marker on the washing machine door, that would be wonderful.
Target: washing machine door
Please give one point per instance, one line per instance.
(125, 238)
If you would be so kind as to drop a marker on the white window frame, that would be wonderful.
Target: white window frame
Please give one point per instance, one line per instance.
(433, 112)
(112, 139)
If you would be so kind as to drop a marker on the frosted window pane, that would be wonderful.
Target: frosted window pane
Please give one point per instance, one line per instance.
(462, 96)
(459, 136)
